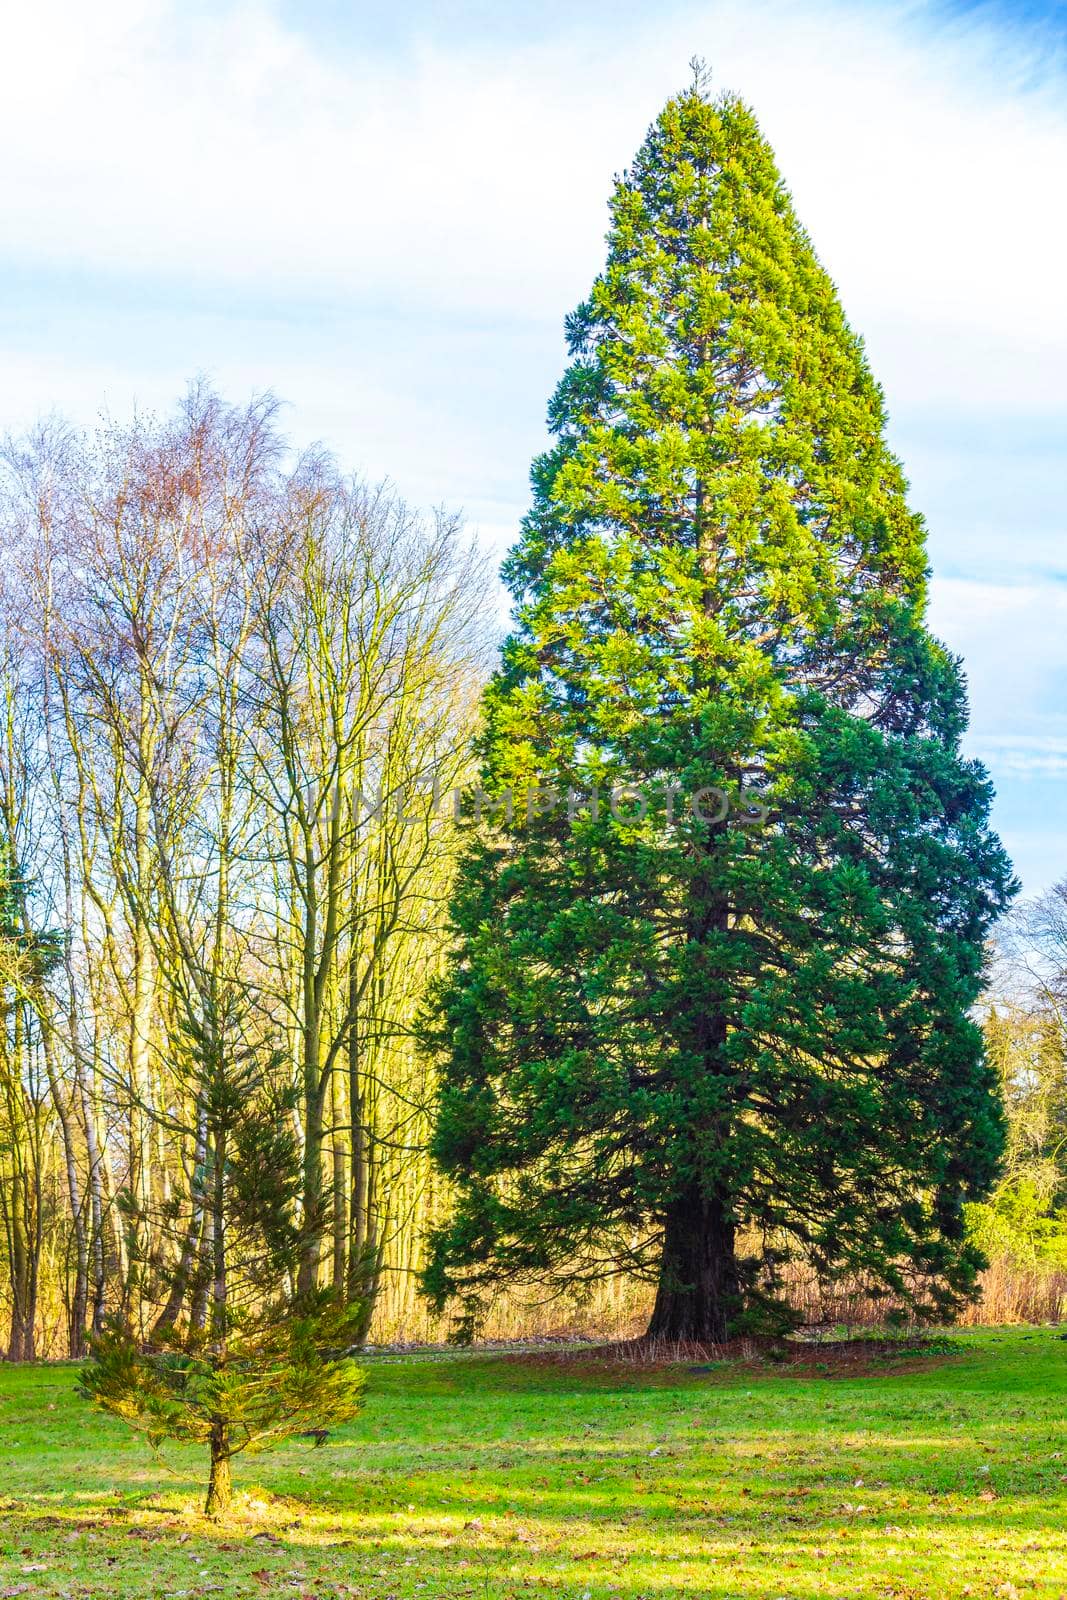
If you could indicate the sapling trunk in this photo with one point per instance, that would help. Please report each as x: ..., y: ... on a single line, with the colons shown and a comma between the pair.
x: 220, y: 1479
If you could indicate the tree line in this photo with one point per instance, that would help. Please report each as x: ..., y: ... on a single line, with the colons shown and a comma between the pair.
x: 221, y: 671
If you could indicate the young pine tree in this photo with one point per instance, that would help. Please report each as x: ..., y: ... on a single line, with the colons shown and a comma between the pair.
x: 234, y: 1361
x: 686, y: 1033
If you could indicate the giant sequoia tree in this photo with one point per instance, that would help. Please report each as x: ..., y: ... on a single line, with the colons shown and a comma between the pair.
x: 679, y: 1034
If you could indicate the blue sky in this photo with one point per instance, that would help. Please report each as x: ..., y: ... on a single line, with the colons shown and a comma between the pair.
x: 383, y: 214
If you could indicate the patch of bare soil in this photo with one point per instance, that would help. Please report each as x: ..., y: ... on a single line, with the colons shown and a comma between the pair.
x: 804, y: 1355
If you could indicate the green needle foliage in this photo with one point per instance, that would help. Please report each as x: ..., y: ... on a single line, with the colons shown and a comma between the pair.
x: 246, y: 1366
x: 276, y: 1374
x: 724, y: 1021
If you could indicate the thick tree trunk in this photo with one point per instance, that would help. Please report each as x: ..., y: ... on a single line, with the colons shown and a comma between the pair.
x: 698, y: 1294
x: 220, y: 1479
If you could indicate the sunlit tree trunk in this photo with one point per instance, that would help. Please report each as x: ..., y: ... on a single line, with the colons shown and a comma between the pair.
x: 220, y: 1479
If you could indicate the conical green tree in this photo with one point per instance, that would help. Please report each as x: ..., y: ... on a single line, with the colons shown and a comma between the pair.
x: 723, y: 1020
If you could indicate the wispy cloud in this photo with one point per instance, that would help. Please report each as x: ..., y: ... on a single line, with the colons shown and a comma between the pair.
x: 1014, y: 757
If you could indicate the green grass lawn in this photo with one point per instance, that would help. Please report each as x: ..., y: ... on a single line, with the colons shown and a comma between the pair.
x: 487, y: 1477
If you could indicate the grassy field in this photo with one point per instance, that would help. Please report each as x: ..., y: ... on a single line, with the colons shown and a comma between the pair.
x: 488, y: 1477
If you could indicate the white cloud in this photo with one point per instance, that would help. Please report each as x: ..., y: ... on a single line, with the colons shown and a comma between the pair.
x: 234, y: 149
x: 1035, y: 757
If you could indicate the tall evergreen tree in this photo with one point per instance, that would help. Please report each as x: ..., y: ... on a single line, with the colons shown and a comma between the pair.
x: 684, y: 1032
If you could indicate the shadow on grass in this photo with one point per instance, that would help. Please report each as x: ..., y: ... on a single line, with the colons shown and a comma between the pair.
x: 488, y: 1476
